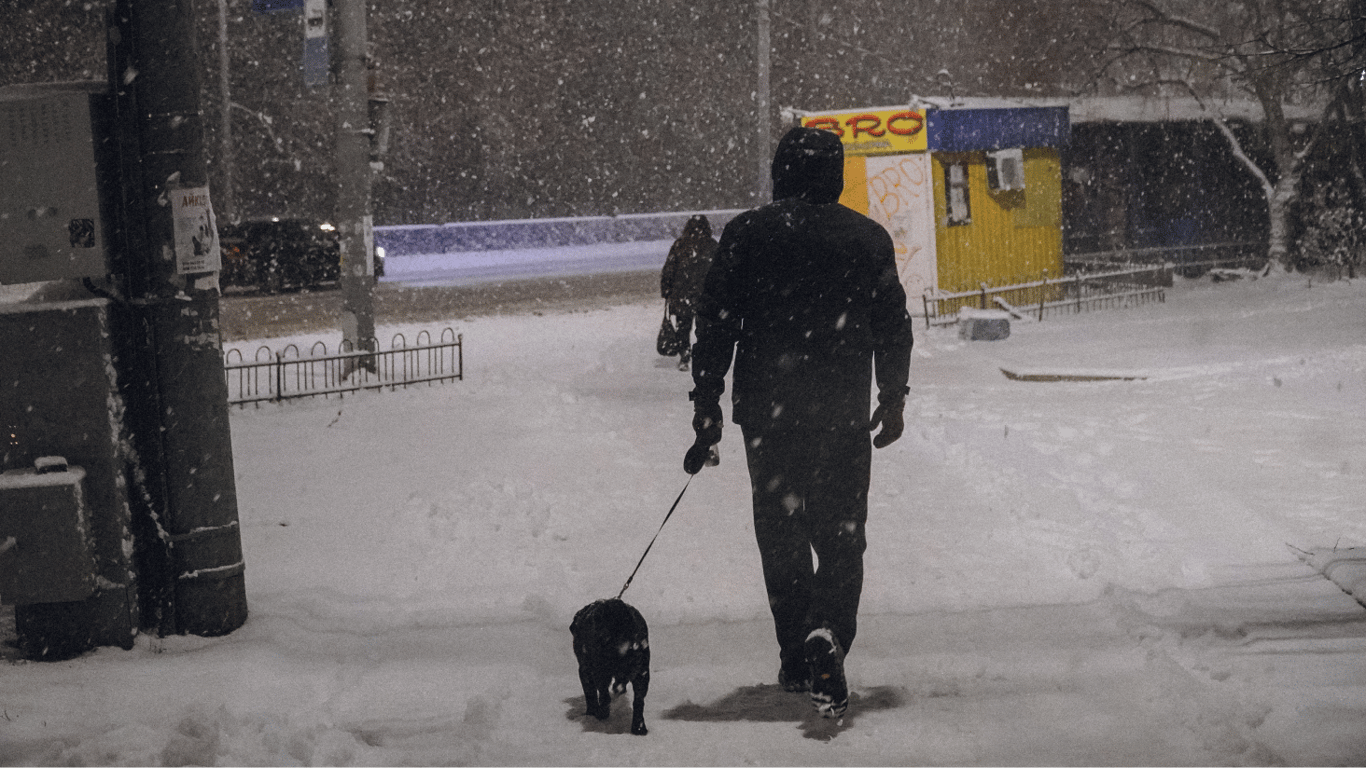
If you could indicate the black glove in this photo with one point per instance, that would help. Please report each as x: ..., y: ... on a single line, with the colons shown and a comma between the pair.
x: 889, y: 415
x: 706, y: 423
x: 700, y: 456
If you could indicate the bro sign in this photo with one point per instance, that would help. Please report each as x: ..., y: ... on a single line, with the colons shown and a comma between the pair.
x: 875, y: 132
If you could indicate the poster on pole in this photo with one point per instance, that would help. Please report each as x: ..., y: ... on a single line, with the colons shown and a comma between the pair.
x: 196, y: 236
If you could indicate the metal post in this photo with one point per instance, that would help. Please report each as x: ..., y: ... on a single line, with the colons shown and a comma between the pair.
x: 227, y: 207
x: 1043, y: 294
x: 763, y: 54
x: 355, y: 224
x: 190, y: 552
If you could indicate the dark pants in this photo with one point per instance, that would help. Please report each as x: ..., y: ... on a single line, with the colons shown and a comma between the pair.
x: 683, y: 311
x: 810, y: 494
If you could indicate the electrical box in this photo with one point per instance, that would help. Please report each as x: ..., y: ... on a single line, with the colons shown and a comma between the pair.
x: 1005, y: 170
x: 51, y: 226
x: 45, y: 543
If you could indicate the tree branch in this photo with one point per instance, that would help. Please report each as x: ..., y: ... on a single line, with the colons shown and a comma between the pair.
x: 1217, y: 58
x: 1164, y: 16
x: 1236, y: 146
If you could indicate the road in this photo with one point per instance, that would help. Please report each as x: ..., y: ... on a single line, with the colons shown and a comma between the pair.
x: 445, y: 286
x: 244, y: 316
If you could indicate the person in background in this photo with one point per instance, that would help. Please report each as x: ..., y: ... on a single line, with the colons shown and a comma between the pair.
x: 803, y: 294
x: 681, y: 281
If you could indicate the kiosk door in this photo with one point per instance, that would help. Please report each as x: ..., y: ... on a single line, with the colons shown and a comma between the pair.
x: 901, y: 198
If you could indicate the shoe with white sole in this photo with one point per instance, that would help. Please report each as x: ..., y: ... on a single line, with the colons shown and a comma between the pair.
x: 829, y: 690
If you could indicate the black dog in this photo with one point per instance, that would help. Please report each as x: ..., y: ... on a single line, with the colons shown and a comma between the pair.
x: 612, y: 644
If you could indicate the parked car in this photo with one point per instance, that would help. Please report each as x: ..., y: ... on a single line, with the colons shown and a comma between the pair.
x: 278, y: 254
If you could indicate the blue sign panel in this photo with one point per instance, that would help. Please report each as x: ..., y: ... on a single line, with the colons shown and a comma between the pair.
x: 315, y: 62
x: 276, y: 6
x: 977, y: 130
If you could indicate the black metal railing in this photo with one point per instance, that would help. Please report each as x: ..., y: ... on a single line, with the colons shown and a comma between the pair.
x: 1185, y: 260
x: 1067, y: 294
x: 276, y: 376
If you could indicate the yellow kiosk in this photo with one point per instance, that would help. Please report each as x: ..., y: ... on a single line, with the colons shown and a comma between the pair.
x: 971, y: 196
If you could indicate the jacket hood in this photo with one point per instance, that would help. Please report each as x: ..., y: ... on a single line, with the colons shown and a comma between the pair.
x: 697, y: 228
x: 809, y: 164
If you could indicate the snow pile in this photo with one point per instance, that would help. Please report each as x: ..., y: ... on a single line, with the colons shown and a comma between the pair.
x: 1063, y: 572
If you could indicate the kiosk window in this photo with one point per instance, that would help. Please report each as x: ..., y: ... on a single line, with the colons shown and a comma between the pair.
x: 956, y: 193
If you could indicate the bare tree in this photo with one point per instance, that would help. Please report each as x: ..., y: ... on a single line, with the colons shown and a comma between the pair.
x: 1338, y: 49
x: 1285, y: 56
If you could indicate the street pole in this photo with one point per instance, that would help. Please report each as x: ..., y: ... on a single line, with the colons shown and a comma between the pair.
x: 763, y: 55
x: 355, y: 225
x: 188, y: 543
x: 227, y: 205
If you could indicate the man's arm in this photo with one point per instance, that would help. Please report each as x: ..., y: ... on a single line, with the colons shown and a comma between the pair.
x: 666, y: 275
x: 892, y: 342
x: 718, y: 330
x: 891, y: 327
x: 718, y: 318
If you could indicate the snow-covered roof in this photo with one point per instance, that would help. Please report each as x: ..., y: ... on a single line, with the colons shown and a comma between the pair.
x: 1097, y: 109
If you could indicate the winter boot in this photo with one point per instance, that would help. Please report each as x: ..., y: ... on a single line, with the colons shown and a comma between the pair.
x: 795, y: 677
x: 829, y: 691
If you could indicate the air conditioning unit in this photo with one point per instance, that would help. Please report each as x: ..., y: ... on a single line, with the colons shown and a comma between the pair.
x: 1005, y: 170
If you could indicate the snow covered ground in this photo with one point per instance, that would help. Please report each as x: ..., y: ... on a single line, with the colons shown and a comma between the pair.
x: 1068, y: 573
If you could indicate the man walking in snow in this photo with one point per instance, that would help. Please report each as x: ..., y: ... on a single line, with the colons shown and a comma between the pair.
x: 803, y: 295
x: 680, y: 282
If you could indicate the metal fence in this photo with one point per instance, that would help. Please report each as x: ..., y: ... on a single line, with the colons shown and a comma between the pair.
x: 1061, y: 295
x: 1185, y: 260
x: 276, y: 376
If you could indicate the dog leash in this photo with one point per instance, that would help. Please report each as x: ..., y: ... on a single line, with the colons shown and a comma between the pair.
x: 652, y: 541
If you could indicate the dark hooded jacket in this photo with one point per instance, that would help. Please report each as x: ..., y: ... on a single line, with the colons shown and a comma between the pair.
x: 689, y: 258
x: 803, y: 295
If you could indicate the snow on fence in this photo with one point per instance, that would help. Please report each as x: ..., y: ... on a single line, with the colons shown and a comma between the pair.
x: 1070, y: 294
x: 276, y: 376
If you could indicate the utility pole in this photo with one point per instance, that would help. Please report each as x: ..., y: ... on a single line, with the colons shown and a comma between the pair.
x: 763, y: 55
x: 187, y: 543
x: 227, y: 207
x: 355, y: 224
